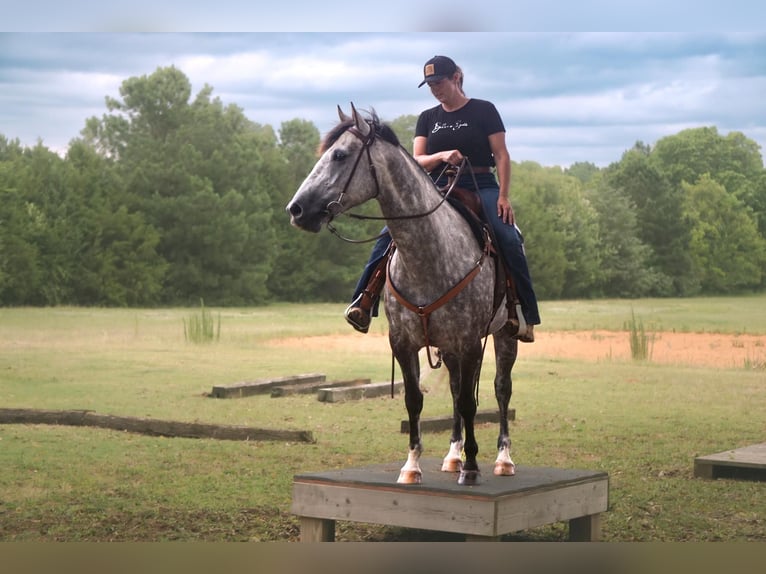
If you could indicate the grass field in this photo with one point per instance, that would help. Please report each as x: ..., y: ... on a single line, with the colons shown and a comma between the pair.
x: 640, y: 421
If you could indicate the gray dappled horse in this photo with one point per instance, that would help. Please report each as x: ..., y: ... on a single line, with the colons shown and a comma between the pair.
x: 436, y: 254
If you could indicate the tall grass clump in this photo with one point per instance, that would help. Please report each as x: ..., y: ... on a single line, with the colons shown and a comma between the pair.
x: 640, y: 342
x: 201, y: 327
x: 754, y: 364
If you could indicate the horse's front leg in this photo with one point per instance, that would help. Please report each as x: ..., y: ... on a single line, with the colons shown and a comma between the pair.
x: 469, y: 369
x: 453, y: 461
x: 506, y: 348
x: 410, y: 473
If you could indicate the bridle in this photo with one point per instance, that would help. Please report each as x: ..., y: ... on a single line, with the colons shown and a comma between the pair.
x: 334, y: 207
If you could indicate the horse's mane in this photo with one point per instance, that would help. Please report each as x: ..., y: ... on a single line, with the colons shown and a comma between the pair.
x: 381, y: 129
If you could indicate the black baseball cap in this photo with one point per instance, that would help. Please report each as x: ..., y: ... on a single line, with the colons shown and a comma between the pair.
x: 438, y: 68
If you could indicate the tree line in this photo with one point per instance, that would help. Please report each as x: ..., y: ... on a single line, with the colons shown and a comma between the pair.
x: 169, y: 198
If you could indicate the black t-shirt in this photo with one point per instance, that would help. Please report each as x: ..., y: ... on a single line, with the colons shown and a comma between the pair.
x: 466, y: 129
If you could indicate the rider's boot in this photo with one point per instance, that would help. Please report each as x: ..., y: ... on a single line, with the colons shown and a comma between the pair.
x: 519, y: 328
x: 359, y: 313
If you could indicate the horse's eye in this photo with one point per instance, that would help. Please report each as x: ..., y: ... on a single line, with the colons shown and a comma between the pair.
x: 339, y: 155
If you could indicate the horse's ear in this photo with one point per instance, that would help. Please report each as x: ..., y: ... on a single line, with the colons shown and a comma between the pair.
x: 363, y: 127
x: 343, y: 117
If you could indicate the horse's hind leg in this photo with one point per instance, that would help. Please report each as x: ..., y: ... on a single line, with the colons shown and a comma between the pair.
x: 453, y: 461
x: 410, y: 473
x: 506, y: 348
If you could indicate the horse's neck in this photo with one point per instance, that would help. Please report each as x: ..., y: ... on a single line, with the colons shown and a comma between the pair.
x: 441, y: 239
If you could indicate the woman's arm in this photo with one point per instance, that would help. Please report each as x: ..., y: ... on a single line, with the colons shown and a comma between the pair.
x: 503, y: 164
x: 429, y: 162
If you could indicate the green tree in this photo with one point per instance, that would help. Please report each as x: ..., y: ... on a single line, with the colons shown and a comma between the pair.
x: 201, y: 173
x: 729, y: 254
x: 733, y: 160
x: 584, y: 171
x: 66, y: 238
x: 625, y: 268
x: 38, y: 238
x: 19, y: 257
x: 404, y: 128
x: 115, y: 262
x: 689, y: 154
x: 292, y: 276
x: 560, y: 230
x: 662, y: 224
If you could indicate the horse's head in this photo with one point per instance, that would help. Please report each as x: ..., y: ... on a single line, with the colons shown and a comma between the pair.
x: 344, y: 176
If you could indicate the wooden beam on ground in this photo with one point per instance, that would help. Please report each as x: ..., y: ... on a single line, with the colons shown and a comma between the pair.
x: 356, y: 392
x: 443, y: 423
x: 152, y: 427
x: 261, y: 386
x: 308, y: 388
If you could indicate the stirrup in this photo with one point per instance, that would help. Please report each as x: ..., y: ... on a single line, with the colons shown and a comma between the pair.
x: 357, y: 317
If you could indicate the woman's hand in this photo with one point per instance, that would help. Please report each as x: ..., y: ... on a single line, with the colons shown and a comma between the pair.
x: 452, y: 157
x: 505, y: 210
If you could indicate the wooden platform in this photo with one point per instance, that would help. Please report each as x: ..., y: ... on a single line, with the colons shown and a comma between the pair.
x: 500, y: 505
x: 748, y: 462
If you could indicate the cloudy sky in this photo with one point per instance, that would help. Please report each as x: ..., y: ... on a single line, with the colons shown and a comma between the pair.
x: 564, y: 96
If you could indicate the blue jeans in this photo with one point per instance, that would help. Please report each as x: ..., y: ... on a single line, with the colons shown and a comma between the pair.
x: 510, y: 243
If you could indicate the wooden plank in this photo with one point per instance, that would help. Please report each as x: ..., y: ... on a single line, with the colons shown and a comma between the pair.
x: 556, y: 503
x: 336, y: 395
x: 410, y: 509
x: 308, y: 388
x: 261, y: 386
x: 748, y: 462
x: 154, y: 427
x: 443, y: 423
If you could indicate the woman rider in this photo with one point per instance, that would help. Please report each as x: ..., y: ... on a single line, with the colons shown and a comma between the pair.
x: 461, y: 127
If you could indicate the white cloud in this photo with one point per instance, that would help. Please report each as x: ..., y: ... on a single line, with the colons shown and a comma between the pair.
x: 562, y: 96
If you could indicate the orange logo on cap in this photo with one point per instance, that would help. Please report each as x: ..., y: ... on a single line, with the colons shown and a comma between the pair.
x: 429, y: 71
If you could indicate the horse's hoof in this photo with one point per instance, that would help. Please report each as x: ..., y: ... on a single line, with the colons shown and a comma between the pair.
x: 452, y: 465
x: 469, y: 478
x: 504, y: 469
x: 410, y: 477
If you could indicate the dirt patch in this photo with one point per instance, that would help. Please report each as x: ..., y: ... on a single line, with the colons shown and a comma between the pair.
x: 694, y: 349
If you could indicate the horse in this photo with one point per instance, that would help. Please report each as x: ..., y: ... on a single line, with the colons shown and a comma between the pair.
x: 440, y: 282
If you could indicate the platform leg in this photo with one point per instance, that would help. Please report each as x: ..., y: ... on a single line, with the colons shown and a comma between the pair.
x: 585, y: 528
x: 317, y: 529
x: 703, y: 470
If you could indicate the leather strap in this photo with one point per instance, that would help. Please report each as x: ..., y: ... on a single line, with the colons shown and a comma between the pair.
x: 424, y: 311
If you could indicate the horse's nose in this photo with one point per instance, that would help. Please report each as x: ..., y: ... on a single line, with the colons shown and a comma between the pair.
x: 294, y: 209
